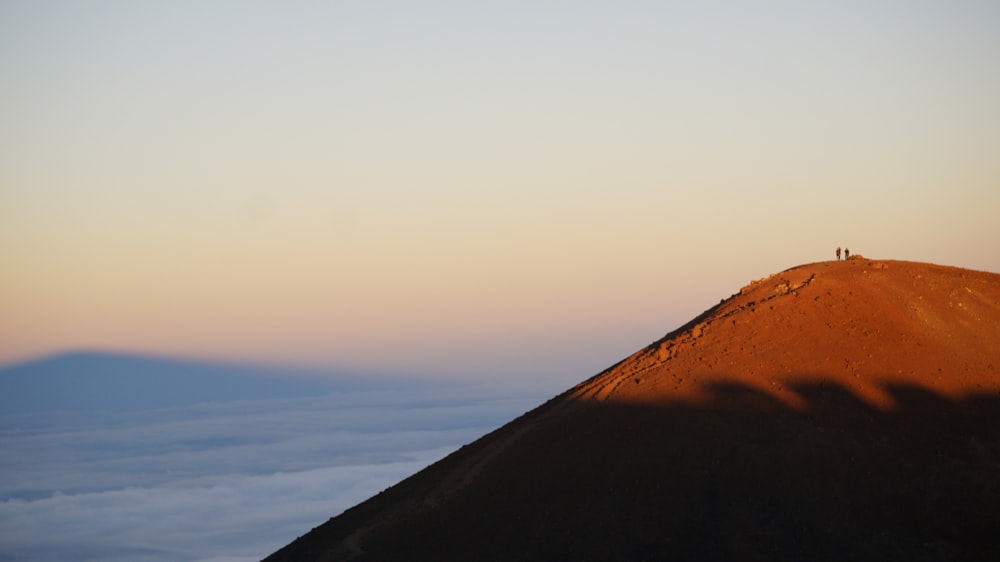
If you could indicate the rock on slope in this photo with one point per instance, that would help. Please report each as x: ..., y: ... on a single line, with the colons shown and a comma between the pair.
x: 837, y: 410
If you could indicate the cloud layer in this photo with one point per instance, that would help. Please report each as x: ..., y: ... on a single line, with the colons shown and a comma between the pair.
x: 221, y: 483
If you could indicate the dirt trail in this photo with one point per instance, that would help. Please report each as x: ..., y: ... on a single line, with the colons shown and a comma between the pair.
x: 657, y: 354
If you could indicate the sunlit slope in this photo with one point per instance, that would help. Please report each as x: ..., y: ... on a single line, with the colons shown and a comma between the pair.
x: 837, y: 410
x: 859, y: 323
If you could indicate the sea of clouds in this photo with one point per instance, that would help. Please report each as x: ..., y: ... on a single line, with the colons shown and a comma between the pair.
x: 225, y: 482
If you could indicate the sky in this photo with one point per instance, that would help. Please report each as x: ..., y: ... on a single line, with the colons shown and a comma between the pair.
x: 469, y: 189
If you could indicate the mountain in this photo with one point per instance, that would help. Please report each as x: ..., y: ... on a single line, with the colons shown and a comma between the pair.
x: 845, y: 410
x: 89, y: 382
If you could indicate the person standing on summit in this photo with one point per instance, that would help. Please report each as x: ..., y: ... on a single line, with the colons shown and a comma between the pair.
x: 838, y: 253
x: 847, y: 254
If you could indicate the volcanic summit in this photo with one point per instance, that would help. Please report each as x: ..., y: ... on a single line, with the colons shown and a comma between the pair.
x: 844, y: 410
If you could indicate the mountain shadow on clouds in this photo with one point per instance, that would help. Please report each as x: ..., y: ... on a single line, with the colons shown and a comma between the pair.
x: 85, y: 382
x: 740, y: 476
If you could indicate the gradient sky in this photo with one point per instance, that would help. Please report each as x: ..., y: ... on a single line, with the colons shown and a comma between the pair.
x: 470, y: 188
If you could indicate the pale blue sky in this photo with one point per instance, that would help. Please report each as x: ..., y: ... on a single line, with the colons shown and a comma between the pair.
x: 470, y: 187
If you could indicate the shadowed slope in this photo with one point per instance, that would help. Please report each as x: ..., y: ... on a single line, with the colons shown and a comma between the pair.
x: 842, y: 410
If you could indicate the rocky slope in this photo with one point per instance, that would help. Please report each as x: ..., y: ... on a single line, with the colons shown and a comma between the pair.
x: 837, y: 410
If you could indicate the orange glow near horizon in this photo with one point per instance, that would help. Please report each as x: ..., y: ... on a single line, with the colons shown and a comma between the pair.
x: 437, y: 195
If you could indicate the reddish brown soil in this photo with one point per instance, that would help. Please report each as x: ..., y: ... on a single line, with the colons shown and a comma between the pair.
x: 835, y: 411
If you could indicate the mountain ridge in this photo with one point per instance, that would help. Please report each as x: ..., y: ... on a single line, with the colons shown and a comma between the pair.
x: 834, y: 410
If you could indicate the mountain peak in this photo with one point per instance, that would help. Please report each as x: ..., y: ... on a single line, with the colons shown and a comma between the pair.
x: 835, y: 410
x: 860, y: 323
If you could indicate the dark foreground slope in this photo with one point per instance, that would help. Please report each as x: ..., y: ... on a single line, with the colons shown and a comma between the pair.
x: 844, y: 410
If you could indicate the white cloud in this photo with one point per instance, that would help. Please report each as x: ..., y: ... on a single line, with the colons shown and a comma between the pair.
x: 251, y: 514
x: 221, y: 483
